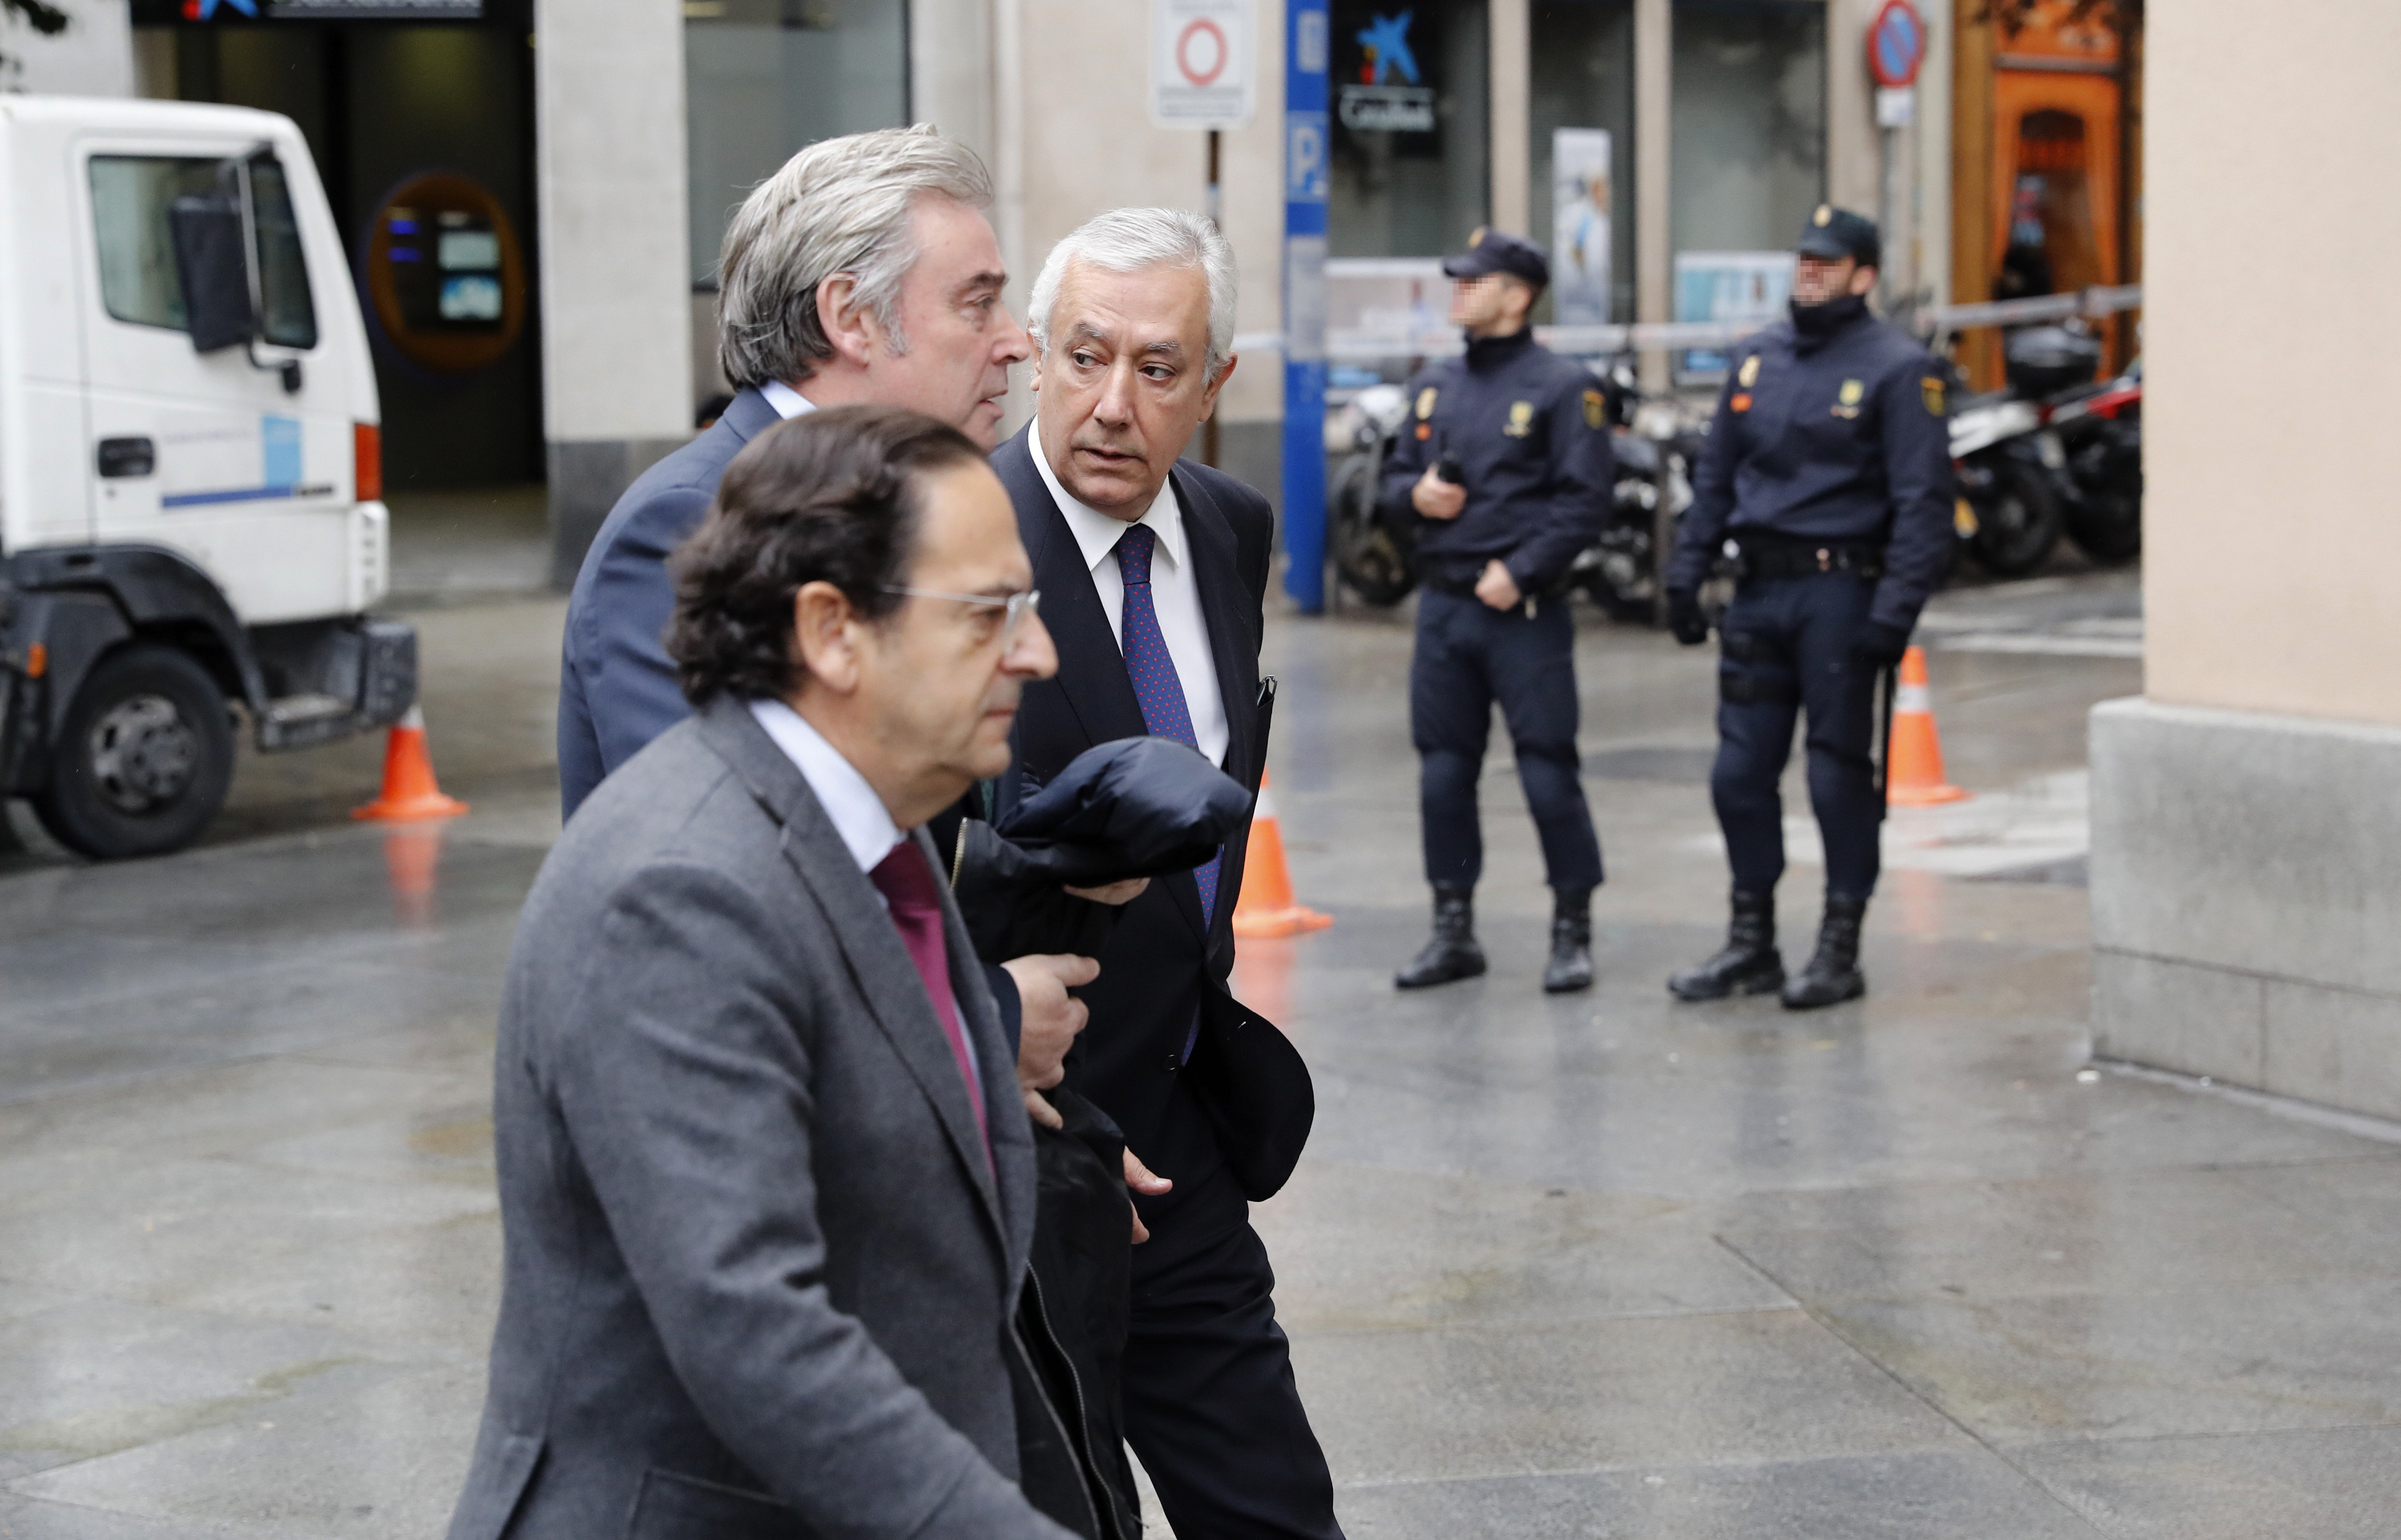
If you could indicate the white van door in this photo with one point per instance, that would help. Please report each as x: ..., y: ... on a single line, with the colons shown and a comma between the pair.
x: 211, y: 455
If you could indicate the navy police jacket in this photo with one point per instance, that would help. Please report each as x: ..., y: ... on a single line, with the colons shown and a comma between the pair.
x: 1529, y: 430
x: 1840, y: 437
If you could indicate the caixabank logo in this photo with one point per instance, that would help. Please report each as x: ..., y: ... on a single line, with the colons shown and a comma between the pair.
x: 1391, y: 94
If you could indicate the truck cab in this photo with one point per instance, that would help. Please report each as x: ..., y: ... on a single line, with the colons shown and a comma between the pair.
x: 192, y: 528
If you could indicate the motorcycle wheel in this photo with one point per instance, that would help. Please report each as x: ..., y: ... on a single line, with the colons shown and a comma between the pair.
x: 1372, y: 562
x: 2108, y: 528
x: 2018, y: 520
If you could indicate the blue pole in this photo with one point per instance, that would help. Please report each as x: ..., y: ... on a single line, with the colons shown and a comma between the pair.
x: 1304, y: 304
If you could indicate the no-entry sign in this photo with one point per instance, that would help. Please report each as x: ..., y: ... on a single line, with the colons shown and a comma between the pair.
x: 1202, y: 73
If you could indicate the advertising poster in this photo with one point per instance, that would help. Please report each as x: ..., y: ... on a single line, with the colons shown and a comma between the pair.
x: 1580, y: 230
x: 1747, y: 288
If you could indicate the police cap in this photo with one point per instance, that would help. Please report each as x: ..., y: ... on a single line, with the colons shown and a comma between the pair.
x: 1497, y: 252
x: 1833, y: 233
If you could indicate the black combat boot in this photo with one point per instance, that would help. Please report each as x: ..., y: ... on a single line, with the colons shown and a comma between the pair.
x: 1833, y: 974
x: 1452, y: 953
x: 1747, y: 964
x: 1571, y: 965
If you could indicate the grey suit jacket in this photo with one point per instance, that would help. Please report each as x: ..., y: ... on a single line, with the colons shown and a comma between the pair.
x: 758, y: 1274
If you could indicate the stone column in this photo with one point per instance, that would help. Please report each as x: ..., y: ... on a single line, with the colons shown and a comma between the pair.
x: 1654, y: 245
x: 616, y: 282
x: 1512, y: 101
x: 2246, y: 838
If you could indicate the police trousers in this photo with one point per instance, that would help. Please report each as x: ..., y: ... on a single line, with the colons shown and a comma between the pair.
x: 1786, y: 649
x: 1469, y: 658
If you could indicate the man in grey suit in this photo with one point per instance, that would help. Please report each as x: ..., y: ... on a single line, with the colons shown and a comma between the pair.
x: 766, y: 1182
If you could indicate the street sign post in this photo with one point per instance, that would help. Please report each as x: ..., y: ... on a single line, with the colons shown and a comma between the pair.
x: 1305, y: 168
x: 1202, y: 64
x: 1896, y: 49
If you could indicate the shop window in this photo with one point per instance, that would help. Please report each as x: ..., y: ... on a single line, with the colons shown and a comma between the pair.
x: 765, y: 77
x: 1411, y: 169
x: 1747, y: 148
x: 1582, y: 202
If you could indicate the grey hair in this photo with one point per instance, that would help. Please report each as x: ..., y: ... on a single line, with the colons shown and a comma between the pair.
x: 840, y: 206
x: 1127, y: 241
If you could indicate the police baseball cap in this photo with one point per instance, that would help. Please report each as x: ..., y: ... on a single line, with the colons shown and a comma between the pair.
x: 1833, y: 233
x: 1497, y: 252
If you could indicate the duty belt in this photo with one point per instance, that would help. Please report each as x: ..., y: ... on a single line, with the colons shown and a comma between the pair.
x: 1800, y: 559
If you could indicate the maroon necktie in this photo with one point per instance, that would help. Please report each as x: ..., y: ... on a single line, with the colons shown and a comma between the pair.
x: 907, y: 884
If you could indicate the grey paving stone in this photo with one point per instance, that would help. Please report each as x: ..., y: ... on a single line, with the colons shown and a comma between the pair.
x: 26, y: 1519
x: 1458, y: 1402
x: 364, y: 1450
x: 2256, y: 1360
x: 1929, y: 1496
x: 1358, y: 1245
x: 2328, y: 1484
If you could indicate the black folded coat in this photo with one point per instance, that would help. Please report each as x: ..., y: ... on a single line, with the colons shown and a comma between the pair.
x: 1133, y: 807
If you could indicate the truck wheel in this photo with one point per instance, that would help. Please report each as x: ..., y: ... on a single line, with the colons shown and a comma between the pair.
x: 143, y: 759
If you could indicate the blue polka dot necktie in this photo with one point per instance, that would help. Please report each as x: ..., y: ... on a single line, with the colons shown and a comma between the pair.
x: 1156, y: 688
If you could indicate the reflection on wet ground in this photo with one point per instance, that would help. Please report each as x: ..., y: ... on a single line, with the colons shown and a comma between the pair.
x: 1601, y: 1266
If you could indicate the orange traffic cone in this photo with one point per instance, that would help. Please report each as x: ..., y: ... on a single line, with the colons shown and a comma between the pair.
x: 1914, y: 763
x: 1266, y: 906
x: 409, y: 788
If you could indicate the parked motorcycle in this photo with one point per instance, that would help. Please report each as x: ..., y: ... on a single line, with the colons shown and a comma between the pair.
x: 2100, y: 433
x: 2054, y: 453
x: 1374, y: 556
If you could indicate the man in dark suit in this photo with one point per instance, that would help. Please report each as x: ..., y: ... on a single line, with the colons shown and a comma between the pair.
x: 864, y: 270
x: 766, y: 1182
x: 1153, y: 575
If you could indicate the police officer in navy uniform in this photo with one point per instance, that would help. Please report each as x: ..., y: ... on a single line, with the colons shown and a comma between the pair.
x: 1504, y: 464
x: 1827, y: 478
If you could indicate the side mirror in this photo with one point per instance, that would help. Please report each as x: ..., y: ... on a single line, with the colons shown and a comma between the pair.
x: 213, y: 260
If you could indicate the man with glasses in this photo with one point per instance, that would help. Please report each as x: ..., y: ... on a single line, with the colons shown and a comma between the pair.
x: 765, y: 1179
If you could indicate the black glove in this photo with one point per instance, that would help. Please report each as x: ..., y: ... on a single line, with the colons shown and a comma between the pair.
x: 1880, y: 646
x: 1685, y: 621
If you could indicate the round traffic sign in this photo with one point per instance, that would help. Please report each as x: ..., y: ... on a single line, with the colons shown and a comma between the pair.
x: 1214, y: 52
x: 1896, y: 44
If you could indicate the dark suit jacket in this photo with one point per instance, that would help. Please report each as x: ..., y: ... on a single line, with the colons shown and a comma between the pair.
x: 616, y: 689
x: 1159, y: 957
x: 759, y: 1273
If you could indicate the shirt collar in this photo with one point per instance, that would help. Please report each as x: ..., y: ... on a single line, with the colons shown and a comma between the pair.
x: 1096, y: 533
x: 787, y: 402
x: 856, y: 813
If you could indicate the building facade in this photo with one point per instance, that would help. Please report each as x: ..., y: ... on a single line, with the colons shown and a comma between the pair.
x: 1668, y: 149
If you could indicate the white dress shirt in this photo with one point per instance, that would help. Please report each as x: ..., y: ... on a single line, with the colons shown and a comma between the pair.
x: 787, y: 402
x: 1175, y: 595
x: 850, y: 804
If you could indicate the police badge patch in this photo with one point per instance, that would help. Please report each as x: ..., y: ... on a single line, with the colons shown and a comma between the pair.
x: 1593, y: 408
x: 1521, y: 419
x: 1426, y: 404
x: 1749, y: 375
x: 1932, y: 387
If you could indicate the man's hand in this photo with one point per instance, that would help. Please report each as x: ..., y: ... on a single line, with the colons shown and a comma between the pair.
x: 1437, y: 498
x: 1050, y: 1018
x: 1114, y: 893
x: 1496, y: 587
x: 1142, y: 1178
x: 1880, y: 646
x: 1685, y: 621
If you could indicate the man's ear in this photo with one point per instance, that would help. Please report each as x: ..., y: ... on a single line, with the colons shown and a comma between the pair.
x: 825, y: 636
x: 1209, y: 398
x: 851, y: 328
x: 1863, y: 279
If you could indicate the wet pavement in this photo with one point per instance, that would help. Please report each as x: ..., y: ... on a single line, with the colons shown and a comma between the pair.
x: 1604, y: 1265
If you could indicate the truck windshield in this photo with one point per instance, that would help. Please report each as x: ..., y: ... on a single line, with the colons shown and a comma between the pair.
x: 130, y: 196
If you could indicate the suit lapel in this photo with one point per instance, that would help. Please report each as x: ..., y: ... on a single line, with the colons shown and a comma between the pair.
x: 879, y: 963
x: 1235, y: 652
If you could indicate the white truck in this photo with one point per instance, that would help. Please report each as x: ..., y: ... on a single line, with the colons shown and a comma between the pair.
x: 191, y: 519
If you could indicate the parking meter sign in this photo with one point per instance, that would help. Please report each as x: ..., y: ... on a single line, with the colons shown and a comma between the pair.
x: 1203, y: 72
